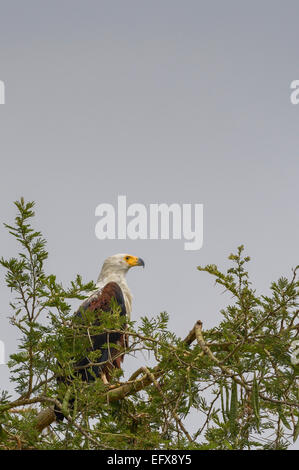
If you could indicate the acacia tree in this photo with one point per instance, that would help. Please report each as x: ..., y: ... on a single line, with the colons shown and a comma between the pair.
x: 238, y: 380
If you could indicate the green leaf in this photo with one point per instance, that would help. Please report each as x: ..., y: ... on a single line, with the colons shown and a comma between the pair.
x: 255, y: 400
x: 283, y: 418
x: 66, y: 401
x: 296, y: 431
x: 233, y: 412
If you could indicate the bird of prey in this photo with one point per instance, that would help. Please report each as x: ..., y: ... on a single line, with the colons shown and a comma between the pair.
x: 111, y: 284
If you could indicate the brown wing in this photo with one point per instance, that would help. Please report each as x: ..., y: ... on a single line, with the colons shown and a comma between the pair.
x: 109, y: 357
x: 97, y: 302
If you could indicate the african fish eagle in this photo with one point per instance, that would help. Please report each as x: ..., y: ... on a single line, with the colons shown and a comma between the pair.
x: 111, y: 283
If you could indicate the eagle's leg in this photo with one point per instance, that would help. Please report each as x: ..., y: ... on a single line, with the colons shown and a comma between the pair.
x: 104, y: 378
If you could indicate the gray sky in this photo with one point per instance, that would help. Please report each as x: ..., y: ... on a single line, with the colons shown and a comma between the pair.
x: 171, y: 101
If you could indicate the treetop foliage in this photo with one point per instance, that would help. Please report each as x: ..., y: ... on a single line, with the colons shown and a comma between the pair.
x: 238, y: 380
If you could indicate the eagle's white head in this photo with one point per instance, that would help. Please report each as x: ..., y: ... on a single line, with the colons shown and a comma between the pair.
x: 121, y: 263
x: 114, y: 269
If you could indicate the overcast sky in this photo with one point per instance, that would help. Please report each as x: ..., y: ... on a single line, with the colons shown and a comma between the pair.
x: 172, y: 101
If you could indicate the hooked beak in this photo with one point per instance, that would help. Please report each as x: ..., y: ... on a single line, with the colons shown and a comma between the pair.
x: 140, y: 262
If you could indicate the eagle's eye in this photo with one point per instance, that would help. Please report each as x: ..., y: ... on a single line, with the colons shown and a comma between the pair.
x: 127, y: 258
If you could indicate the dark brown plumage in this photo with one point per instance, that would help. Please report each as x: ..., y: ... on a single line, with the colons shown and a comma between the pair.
x: 101, y: 301
x: 110, y: 357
